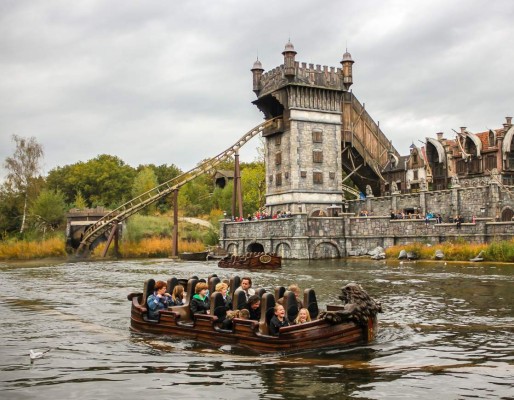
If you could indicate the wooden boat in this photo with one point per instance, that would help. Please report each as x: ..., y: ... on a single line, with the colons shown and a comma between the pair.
x: 251, y: 260
x: 197, y: 256
x: 354, y: 323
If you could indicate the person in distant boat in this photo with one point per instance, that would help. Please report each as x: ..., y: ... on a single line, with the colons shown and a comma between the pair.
x: 296, y: 290
x: 200, y: 302
x: 222, y: 287
x: 303, y: 316
x: 246, y: 286
x: 177, y: 297
x: 254, y: 307
x: 159, y: 300
x: 278, y: 321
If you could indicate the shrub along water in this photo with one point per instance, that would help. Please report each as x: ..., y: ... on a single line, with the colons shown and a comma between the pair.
x: 26, y: 250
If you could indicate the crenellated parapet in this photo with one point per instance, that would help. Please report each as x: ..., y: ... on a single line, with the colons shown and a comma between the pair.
x: 309, y: 75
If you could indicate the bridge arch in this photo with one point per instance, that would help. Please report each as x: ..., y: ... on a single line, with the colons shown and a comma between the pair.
x: 255, y: 247
x: 319, y: 212
x: 283, y: 249
x: 232, y: 248
x: 326, y: 249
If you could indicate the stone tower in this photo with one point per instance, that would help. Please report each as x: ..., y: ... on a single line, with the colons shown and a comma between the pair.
x: 303, y: 151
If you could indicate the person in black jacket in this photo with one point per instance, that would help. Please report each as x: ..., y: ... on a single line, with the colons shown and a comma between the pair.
x: 200, y: 303
x: 254, y: 307
x: 278, y: 321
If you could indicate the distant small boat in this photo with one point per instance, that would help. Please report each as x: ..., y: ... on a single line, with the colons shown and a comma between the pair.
x: 197, y: 256
x: 251, y: 260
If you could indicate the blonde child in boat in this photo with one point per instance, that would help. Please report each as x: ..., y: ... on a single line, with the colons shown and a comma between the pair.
x: 302, y: 317
x: 278, y: 321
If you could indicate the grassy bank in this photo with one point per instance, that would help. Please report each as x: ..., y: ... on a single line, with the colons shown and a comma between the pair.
x: 155, y: 247
x: 496, y: 251
x: 27, y: 250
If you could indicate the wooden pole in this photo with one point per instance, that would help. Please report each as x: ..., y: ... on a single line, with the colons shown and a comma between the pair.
x: 111, y: 236
x: 117, y: 242
x: 234, y: 189
x: 174, y: 239
x: 239, y: 192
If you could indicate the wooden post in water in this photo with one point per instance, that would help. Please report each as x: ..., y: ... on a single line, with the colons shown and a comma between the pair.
x: 174, y: 237
x: 237, y: 194
x: 111, y: 236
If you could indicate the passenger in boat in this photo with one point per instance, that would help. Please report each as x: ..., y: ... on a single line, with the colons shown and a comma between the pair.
x: 200, y: 302
x: 244, y: 314
x: 177, y: 297
x: 296, y: 290
x: 159, y: 300
x: 302, y: 317
x: 279, y: 320
x: 254, y: 307
x: 223, y: 289
x: 228, y: 322
x: 246, y: 286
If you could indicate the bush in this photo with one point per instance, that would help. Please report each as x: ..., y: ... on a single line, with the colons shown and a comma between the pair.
x: 25, y: 250
x: 141, y: 227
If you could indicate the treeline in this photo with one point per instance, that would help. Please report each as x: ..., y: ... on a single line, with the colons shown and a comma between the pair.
x: 32, y: 205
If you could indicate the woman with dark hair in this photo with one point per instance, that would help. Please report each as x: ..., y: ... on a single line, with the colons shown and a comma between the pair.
x: 159, y: 300
x: 254, y: 307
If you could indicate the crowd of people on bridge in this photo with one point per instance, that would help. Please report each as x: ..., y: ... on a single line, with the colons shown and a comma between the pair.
x: 257, y: 216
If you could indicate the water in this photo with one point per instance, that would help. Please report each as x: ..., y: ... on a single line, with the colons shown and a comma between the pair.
x: 446, y: 333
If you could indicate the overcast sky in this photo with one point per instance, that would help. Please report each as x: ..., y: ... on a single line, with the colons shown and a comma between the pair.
x: 169, y: 82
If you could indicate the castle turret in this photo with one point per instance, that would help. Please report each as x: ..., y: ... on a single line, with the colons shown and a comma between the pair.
x: 347, y: 69
x: 289, y: 54
x: 257, y: 71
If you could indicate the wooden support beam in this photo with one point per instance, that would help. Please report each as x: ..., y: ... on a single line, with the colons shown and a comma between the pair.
x: 109, y: 240
x: 174, y: 237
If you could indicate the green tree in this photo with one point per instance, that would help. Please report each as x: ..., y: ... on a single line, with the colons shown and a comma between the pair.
x: 103, y: 181
x: 22, y: 168
x: 48, y: 210
x: 164, y: 173
x: 253, y: 183
x: 145, y: 180
x: 79, y: 201
x: 10, y: 211
x: 195, y: 197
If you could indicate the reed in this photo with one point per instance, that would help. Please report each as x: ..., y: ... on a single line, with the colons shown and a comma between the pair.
x: 26, y: 250
x: 452, y: 251
x: 154, y: 247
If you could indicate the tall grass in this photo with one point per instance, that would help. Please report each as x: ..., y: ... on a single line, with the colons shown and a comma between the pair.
x: 25, y: 250
x: 150, y: 248
x: 452, y: 251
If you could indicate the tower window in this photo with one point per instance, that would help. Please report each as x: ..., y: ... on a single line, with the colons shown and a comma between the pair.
x: 278, y: 181
x: 278, y: 158
x: 317, y: 136
x: 270, y: 178
x: 317, y: 156
x: 278, y: 140
x: 303, y: 174
x: 317, y: 177
x: 332, y: 175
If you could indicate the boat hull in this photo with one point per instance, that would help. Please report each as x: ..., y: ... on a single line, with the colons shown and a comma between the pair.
x: 199, y: 256
x: 312, y: 335
x: 260, y: 261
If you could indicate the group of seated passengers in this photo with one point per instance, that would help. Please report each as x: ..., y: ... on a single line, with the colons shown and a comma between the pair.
x: 279, y: 320
x: 199, y: 304
x: 161, y: 300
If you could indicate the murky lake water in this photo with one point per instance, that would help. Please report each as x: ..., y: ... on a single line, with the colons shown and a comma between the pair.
x: 446, y: 333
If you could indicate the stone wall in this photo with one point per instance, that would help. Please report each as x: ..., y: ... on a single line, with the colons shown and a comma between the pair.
x: 301, y: 237
x: 483, y: 201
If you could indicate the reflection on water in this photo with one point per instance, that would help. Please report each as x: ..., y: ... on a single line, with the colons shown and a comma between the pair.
x: 447, y: 332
